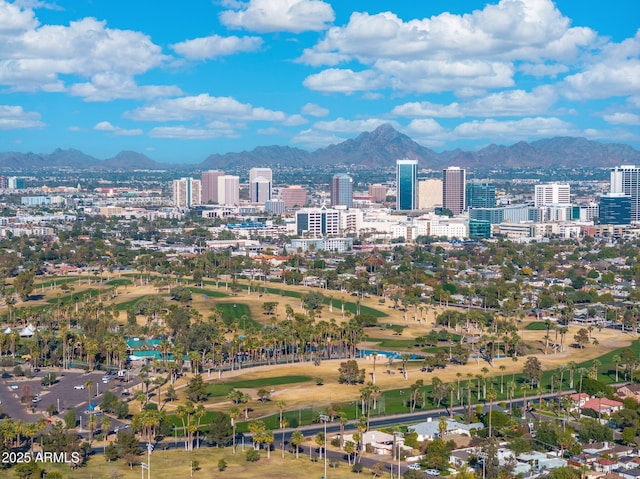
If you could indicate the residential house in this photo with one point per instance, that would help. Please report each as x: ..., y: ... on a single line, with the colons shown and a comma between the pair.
x: 430, y: 430
x: 603, y: 405
x: 629, y: 391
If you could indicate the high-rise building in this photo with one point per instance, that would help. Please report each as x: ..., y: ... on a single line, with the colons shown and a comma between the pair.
x: 317, y: 222
x: 229, y: 190
x: 615, y: 209
x: 552, y: 194
x: 626, y: 179
x: 294, y: 196
x: 480, y: 194
x: 341, y: 188
x: 429, y: 193
x: 260, y: 182
x: 274, y: 207
x: 186, y: 192
x: 260, y: 190
x: 209, y: 181
x: 406, y: 184
x: 453, y: 189
x: 378, y: 193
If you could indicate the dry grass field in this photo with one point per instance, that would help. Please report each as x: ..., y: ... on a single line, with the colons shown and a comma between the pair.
x: 304, y: 394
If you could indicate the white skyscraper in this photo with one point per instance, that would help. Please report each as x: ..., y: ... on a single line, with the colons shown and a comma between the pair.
x: 229, y: 190
x: 260, y: 182
x: 552, y: 194
x: 186, y: 192
x: 625, y: 179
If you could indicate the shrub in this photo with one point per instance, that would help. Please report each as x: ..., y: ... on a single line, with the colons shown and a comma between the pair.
x: 357, y: 468
x: 253, y: 455
x: 222, y: 465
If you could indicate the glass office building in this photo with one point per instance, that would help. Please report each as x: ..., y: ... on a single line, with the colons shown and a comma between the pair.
x: 406, y: 184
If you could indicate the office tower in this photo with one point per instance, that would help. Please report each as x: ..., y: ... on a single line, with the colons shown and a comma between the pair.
x: 317, y: 222
x: 406, y: 184
x: 341, y: 187
x: 453, y: 189
x: 4, y: 182
x: 615, y: 209
x: 209, y: 180
x: 294, y: 196
x: 229, y: 190
x: 274, y: 207
x: 378, y: 193
x: 429, y: 194
x: 186, y: 192
x: 550, y: 194
x: 480, y: 195
x: 260, y: 190
x: 16, y: 183
x: 626, y: 179
x: 260, y: 183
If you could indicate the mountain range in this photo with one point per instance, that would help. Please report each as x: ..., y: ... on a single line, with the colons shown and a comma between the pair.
x: 379, y: 148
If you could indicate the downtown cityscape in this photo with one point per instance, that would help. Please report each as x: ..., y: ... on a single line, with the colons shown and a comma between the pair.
x: 319, y: 239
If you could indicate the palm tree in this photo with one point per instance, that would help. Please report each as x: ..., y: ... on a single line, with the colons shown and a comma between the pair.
x: 491, y: 395
x: 502, y: 368
x: 617, y: 360
x: 297, y: 438
x: 234, y: 414
x: 281, y: 405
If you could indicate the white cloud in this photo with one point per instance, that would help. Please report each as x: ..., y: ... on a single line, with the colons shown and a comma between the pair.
x: 204, y: 106
x: 314, y: 110
x: 15, y: 118
x: 32, y: 4
x: 294, y: 16
x: 505, y: 103
x: 622, y: 119
x: 344, y: 81
x: 523, y: 129
x: 315, y: 139
x: 116, y: 130
x: 449, y: 52
x: 425, y: 126
x: 185, y: 133
x: 34, y: 57
x: 206, y: 48
x: 540, y: 70
x: 604, y: 80
x: 341, y: 125
x: 110, y: 85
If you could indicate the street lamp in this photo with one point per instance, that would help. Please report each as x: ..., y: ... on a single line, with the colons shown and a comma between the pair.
x: 324, y: 418
x: 398, y: 435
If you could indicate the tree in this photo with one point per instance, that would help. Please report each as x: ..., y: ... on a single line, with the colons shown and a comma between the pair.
x: 350, y: 373
x: 532, y: 371
x: 565, y: 472
x: 196, y: 390
x: 70, y: 419
x: 220, y: 430
x: 297, y: 438
x: 23, y: 284
x: 582, y: 337
x: 171, y: 395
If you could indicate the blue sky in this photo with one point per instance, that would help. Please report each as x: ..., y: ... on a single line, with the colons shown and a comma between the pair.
x: 179, y: 81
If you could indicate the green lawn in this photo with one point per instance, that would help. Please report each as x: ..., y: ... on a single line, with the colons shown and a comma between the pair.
x: 208, y: 292
x: 222, y: 389
x: 120, y: 282
x: 536, y: 326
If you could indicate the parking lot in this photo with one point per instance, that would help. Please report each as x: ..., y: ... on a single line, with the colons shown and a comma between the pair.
x: 68, y: 392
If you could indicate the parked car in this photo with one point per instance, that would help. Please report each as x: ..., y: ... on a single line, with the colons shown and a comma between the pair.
x: 432, y: 472
x: 414, y: 467
x: 36, y: 399
x: 14, y: 386
x: 78, y: 386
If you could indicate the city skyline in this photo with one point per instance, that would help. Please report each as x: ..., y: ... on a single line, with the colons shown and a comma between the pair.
x: 230, y: 76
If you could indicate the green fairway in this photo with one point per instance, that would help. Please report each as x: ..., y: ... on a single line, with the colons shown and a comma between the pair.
x: 208, y: 292
x: 536, y: 326
x: 222, y: 389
